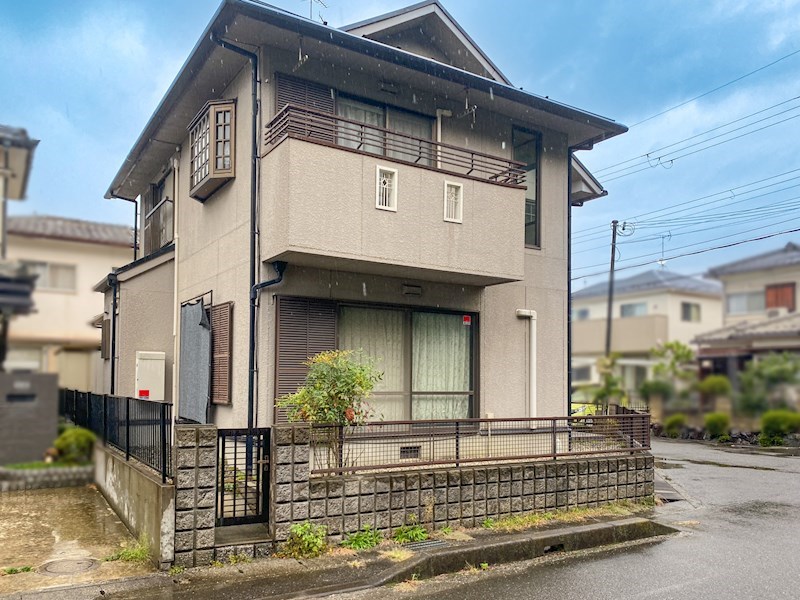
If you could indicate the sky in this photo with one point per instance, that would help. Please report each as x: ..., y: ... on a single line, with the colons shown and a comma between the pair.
x: 723, y: 167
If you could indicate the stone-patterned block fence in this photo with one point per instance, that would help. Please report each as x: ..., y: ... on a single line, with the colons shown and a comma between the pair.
x: 35, y: 479
x: 437, y: 497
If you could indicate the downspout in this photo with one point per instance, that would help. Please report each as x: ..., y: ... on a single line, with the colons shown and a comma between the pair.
x: 570, y: 153
x: 253, y: 223
x: 524, y: 313
x: 114, y: 283
x: 175, y: 303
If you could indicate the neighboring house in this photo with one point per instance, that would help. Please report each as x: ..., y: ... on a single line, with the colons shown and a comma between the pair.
x: 760, y: 304
x: 68, y: 256
x: 648, y: 308
x: 761, y: 286
x: 406, y: 200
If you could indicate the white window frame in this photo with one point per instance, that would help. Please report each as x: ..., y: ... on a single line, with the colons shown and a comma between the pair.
x: 393, y: 196
x: 460, y: 218
x: 43, y: 282
x: 636, y: 306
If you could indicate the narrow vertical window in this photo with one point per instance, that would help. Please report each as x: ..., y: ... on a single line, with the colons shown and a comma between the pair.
x: 453, y: 202
x: 527, y: 146
x: 386, y: 189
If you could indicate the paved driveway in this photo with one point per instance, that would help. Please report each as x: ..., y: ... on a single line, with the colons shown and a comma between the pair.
x: 64, y: 535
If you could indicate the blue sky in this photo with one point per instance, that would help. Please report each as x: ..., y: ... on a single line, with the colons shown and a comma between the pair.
x: 85, y: 76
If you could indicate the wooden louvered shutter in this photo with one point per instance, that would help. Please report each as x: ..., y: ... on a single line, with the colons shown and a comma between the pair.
x: 299, y: 92
x: 305, y: 327
x: 221, y: 319
x: 780, y: 296
x: 105, y: 339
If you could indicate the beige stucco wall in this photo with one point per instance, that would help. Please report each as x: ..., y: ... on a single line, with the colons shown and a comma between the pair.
x: 757, y: 281
x: 61, y: 318
x: 144, y: 323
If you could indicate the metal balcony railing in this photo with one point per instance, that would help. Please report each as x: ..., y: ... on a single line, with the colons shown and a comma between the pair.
x: 328, y: 129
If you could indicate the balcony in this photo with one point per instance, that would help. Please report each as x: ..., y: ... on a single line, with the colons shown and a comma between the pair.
x: 632, y: 335
x: 319, y: 189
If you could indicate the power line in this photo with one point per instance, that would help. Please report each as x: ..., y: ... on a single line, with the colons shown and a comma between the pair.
x: 724, y: 125
x: 672, y: 160
x: 585, y: 232
x: 716, y: 89
x: 696, y: 252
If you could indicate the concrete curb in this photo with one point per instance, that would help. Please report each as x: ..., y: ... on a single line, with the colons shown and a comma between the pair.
x: 513, y: 548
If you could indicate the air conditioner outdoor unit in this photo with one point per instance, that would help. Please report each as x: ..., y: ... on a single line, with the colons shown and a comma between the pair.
x: 150, y: 375
x: 777, y: 312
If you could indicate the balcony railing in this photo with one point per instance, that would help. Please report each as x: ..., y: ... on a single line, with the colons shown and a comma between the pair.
x: 332, y: 130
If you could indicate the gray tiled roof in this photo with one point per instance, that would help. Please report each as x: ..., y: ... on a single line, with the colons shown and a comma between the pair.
x: 783, y: 326
x: 783, y: 257
x: 71, y: 229
x: 651, y: 281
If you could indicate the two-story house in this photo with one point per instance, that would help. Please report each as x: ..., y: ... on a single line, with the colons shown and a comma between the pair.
x: 380, y: 187
x: 648, y: 308
x: 760, y: 304
x: 68, y: 256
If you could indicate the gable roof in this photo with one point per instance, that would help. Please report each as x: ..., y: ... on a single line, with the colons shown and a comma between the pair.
x: 209, y: 68
x: 775, y: 327
x: 76, y: 230
x: 652, y: 281
x: 585, y: 186
x: 387, y: 27
x: 782, y: 257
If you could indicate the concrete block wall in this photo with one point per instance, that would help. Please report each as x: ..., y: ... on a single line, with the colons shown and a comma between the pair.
x: 195, y: 494
x: 437, y: 498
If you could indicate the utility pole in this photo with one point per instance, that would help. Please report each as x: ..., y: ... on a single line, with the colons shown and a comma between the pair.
x: 609, y: 309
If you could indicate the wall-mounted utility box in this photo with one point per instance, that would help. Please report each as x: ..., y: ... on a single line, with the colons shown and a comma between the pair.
x: 150, y: 375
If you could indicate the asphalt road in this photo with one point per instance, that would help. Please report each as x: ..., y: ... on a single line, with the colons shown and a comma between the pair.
x: 740, y: 538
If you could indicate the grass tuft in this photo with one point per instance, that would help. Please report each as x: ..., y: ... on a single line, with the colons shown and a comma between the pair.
x: 622, y: 508
x: 136, y: 552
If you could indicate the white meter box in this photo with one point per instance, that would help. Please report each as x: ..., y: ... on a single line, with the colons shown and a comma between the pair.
x: 150, y: 375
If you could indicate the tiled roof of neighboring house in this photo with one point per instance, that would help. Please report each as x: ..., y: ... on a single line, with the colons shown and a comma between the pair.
x: 77, y: 230
x: 17, y: 136
x: 652, y: 281
x: 783, y: 326
x: 782, y: 257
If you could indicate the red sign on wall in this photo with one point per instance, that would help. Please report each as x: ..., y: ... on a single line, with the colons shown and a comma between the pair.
x: 467, y: 320
x: 144, y: 394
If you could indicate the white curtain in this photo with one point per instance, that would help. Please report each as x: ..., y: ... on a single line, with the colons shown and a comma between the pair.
x: 379, y: 333
x: 357, y: 136
x: 440, y: 362
x: 415, y: 125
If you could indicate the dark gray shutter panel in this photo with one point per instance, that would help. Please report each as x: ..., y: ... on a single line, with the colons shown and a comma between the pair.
x: 221, y: 318
x: 291, y: 90
x: 305, y: 327
x: 105, y: 339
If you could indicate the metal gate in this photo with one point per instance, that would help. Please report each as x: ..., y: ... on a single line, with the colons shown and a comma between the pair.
x: 242, y: 476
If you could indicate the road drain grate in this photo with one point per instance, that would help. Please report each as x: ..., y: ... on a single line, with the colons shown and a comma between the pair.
x: 425, y: 545
x: 57, y: 568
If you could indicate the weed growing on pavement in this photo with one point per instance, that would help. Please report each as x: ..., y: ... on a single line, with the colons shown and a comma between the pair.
x: 217, y: 564
x: 306, y: 540
x: 410, y: 533
x: 365, y: 539
x: 567, y: 516
x: 236, y: 559
x: 136, y: 552
x: 397, y: 554
x: 16, y: 570
x: 176, y: 570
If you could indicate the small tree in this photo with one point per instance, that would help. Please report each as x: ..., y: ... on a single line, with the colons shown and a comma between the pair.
x: 610, y: 384
x: 336, y: 392
x: 676, y: 365
x: 768, y: 382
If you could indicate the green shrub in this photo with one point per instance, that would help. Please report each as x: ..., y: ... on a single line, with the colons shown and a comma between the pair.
x: 410, y: 533
x: 306, y: 540
x: 363, y: 540
x: 674, y: 423
x: 656, y: 387
x: 775, y: 424
x: 715, y: 385
x: 717, y: 424
x: 75, y: 445
x: 724, y: 438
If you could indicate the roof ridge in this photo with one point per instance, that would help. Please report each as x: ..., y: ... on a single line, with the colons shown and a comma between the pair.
x: 71, y: 219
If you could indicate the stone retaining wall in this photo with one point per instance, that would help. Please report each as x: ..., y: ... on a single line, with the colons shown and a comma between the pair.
x: 12, y: 480
x: 462, y: 496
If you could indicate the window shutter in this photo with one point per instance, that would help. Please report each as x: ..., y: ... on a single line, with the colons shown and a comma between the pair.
x: 105, y: 339
x: 221, y: 317
x: 303, y: 93
x: 780, y: 296
x: 305, y: 327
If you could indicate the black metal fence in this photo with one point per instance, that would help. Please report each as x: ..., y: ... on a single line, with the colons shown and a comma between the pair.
x: 242, y: 476
x: 337, y: 449
x: 141, y: 429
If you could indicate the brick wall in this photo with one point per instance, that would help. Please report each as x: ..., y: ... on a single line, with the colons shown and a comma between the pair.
x: 441, y: 497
